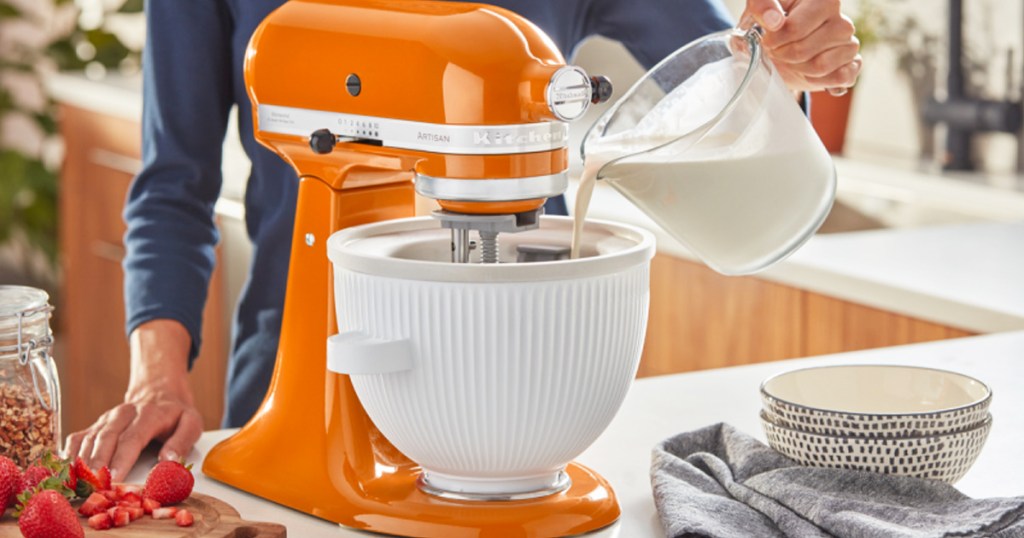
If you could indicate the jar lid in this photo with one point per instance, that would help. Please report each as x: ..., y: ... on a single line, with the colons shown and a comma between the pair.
x: 419, y: 249
x: 33, y: 303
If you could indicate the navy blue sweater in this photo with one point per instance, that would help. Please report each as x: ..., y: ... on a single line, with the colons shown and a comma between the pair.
x: 193, y: 76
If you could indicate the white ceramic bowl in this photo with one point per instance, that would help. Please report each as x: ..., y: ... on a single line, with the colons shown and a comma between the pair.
x: 491, y: 377
x: 939, y: 457
x: 875, y: 400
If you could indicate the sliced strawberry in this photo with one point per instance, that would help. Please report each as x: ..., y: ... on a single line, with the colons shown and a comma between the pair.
x: 123, y: 489
x: 72, y: 482
x: 110, y: 494
x: 184, y: 518
x: 112, y: 511
x: 135, y: 512
x: 121, y: 517
x: 83, y: 472
x: 166, y: 512
x: 95, y: 504
x: 100, y: 521
x: 130, y: 499
x: 103, y: 475
x: 149, y: 505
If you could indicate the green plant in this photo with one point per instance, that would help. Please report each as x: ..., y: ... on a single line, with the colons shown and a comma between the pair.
x: 35, y: 46
x: 869, y: 21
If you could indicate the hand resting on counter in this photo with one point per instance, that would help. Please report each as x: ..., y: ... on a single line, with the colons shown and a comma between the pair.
x: 158, y: 405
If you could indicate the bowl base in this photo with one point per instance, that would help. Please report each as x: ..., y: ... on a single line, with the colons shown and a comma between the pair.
x: 477, y: 489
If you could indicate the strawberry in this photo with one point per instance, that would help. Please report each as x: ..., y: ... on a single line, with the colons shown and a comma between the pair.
x: 95, y: 504
x: 166, y: 512
x: 134, y: 512
x: 110, y: 494
x: 184, y: 518
x: 169, y: 482
x: 47, y: 514
x: 100, y: 521
x: 103, y: 475
x: 10, y: 483
x: 121, y: 517
x: 149, y: 505
x: 123, y: 489
x: 33, y: 476
x: 86, y: 475
x: 130, y: 499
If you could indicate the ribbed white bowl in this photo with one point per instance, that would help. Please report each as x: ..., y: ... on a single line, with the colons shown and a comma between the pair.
x: 499, y: 378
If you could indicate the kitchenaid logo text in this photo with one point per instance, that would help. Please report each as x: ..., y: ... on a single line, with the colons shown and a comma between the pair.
x: 565, y: 96
x: 498, y: 138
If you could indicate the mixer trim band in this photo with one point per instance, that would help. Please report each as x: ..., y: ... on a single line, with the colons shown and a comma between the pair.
x: 492, y: 190
x: 415, y: 135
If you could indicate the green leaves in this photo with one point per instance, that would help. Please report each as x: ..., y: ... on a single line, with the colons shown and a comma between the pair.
x: 28, y: 200
x: 28, y: 191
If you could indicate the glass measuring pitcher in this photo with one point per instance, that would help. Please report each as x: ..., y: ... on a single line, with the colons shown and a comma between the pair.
x: 713, y: 147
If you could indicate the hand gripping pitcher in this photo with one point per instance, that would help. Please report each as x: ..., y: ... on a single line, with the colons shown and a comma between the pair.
x: 713, y: 147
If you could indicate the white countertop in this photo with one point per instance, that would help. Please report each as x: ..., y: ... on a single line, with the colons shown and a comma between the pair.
x: 660, y: 407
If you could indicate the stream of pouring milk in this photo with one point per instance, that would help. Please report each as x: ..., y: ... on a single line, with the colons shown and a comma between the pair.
x: 738, y: 212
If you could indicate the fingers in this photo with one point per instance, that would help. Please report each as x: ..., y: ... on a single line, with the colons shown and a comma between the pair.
x: 843, y: 77
x: 803, y: 20
x: 73, y: 443
x: 767, y: 13
x: 180, y: 443
x: 827, y: 62
x: 152, y: 421
x: 105, y: 438
x: 837, y: 32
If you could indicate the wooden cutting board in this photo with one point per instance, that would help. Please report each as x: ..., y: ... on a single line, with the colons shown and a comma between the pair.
x: 214, y: 518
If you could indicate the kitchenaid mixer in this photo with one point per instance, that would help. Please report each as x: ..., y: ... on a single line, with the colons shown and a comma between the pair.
x: 361, y: 97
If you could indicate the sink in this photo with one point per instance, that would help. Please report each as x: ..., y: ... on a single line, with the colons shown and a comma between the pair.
x: 853, y: 212
x: 872, y: 197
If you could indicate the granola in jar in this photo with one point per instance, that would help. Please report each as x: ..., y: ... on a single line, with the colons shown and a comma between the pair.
x: 29, y: 388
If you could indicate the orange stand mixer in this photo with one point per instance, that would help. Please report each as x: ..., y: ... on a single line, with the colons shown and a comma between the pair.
x: 362, y: 98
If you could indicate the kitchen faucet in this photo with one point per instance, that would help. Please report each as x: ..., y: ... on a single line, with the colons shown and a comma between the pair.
x: 964, y: 115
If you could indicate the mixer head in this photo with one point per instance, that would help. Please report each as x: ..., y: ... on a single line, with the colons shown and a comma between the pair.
x: 475, y: 109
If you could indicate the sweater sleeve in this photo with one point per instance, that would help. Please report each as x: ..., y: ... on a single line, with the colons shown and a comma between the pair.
x: 653, y: 29
x: 171, y: 233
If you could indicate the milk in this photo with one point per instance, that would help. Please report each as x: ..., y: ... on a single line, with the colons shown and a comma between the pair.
x: 742, y: 195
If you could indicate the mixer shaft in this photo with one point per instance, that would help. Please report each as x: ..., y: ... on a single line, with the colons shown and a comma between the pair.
x: 488, y: 226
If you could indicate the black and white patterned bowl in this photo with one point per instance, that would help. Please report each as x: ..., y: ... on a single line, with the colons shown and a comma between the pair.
x: 875, y: 400
x: 937, y: 457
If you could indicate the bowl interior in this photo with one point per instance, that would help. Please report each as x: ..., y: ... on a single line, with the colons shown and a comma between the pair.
x: 876, y: 389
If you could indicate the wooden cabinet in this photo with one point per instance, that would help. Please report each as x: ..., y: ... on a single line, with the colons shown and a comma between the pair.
x: 700, y: 319
x: 102, y: 156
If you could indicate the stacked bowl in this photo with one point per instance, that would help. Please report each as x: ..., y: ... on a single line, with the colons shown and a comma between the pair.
x: 900, y: 420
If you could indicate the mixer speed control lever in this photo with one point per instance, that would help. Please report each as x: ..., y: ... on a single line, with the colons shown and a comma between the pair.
x: 322, y: 141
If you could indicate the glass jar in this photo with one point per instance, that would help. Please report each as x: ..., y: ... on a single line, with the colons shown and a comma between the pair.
x: 29, y: 388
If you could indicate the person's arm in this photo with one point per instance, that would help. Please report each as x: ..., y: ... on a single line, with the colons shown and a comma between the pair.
x: 171, y: 233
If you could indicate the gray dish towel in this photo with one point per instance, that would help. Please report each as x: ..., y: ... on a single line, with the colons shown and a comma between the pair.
x: 718, y: 482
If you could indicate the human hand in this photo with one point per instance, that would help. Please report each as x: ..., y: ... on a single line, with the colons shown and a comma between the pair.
x: 158, y: 405
x: 811, y: 42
